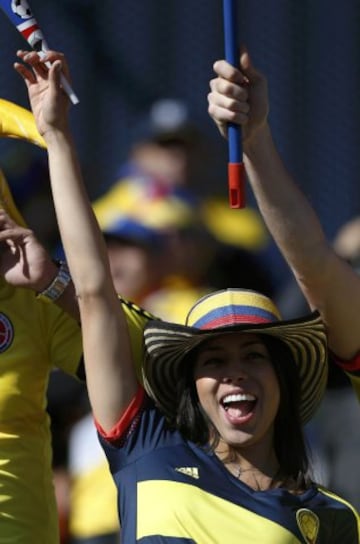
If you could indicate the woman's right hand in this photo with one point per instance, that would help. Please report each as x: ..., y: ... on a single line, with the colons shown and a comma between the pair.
x: 48, y: 101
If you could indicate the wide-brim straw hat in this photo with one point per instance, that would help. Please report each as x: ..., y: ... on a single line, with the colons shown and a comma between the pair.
x: 167, y: 345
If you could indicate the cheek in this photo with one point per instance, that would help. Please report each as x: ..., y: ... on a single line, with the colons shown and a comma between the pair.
x: 204, y: 388
x: 199, y: 386
x: 273, y: 389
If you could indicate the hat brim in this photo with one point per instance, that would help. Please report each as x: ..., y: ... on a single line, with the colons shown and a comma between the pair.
x: 167, y: 346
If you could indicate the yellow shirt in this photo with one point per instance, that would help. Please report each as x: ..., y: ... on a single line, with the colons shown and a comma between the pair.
x: 35, y: 337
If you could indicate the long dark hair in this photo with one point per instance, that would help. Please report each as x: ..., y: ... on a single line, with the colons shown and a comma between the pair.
x: 289, y: 440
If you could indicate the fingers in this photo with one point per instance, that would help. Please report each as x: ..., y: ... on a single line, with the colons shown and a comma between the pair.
x: 248, y: 69
x: 13, y: 237
x: 222, y: 115
x: 226, y: 71
x: 5, y: 219
x: 52, y: 57
x: 32, y: 67
x: 10, y: 229
x: 39, y: 65
x: 32, y: 59
x: 226, y: 88
x: 228, y: 101
x: 27, y: 75
x: 54, y: 75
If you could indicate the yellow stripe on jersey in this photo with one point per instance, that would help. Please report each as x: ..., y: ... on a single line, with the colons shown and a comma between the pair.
x: 185, y: 511
x: 136, y: 319
x: 334, y: 496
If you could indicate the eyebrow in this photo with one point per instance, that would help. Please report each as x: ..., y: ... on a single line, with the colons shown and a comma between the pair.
x: 243, y: 345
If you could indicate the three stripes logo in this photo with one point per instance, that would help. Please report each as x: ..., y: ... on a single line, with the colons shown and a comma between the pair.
x: 193, y: 472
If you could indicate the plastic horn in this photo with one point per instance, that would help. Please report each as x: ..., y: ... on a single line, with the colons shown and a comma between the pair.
x: 20, y: 14
x: 236, y: 172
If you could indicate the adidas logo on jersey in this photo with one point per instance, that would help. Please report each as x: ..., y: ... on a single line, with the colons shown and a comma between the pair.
x: 193, y: 472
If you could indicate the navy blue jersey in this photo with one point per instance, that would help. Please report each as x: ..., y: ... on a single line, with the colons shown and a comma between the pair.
x: 172, y: 491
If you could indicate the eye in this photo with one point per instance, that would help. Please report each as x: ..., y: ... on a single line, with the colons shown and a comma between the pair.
x: 255, y: 355
x: 210, y: 362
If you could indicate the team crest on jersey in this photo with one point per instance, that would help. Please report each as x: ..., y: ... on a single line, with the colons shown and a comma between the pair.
x: 6, y: 332
x: 309, y: 524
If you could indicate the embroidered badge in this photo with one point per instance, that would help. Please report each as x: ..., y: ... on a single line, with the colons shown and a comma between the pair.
x: 309, y: 524
x: 193, y: 472
x: 6, y: 332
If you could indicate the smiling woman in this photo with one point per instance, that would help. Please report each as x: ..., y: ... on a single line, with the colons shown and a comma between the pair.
x: 237, y: 387
x: 202, y: 448
x: 231, y: 377
x: 261, y: 386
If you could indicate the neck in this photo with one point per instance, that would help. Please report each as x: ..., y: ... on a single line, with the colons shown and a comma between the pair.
x: 258, y: 469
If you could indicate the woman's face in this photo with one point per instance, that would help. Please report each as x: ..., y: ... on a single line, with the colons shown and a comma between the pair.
x: 238, y: 388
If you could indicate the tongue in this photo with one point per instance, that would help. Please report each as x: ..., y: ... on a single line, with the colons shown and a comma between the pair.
x: 240, y: 409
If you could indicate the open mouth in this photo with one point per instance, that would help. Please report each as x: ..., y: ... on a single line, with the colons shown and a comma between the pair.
x: 239, y: 405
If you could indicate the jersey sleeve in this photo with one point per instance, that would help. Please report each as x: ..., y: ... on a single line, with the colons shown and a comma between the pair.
x: 141, y: 429
x: 352, y: 370
x: 65, y: 341
x: 136, y: 318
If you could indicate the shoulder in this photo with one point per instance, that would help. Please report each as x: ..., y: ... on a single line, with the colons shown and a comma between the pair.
x: 332, y: 497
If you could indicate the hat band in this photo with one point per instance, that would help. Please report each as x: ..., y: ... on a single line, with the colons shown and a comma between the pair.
x: 234, y: 315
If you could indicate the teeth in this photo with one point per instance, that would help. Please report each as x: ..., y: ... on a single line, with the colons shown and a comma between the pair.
x: 238, y: 398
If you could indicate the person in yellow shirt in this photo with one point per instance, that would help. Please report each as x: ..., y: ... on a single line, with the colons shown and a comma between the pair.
x: 35, y: 337
x: 39, y: 332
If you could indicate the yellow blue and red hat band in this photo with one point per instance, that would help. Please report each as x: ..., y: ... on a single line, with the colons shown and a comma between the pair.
x: 234, y: 315
x: 232, y: 307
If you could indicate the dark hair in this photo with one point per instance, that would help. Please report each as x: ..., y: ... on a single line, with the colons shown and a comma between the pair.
x: 289, y: 440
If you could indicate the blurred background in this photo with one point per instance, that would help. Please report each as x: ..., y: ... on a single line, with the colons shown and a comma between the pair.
x: 124, y: 55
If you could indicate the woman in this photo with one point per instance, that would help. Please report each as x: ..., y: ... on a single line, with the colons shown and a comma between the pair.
x: 211, y: 448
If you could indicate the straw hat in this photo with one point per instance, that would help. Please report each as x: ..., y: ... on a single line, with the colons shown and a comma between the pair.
x: 167, y: 345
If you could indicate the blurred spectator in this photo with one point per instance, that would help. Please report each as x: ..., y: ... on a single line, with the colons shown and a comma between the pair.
x: 166, y: 157
x: 93, y: 516
x: 241, y: 255
x: 138, y: 257
x: 347, y: 242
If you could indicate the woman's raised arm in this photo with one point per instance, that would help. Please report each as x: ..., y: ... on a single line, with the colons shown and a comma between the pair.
x: 110, y: 374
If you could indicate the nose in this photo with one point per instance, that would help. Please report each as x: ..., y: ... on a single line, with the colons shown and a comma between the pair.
x: 234, y: 372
